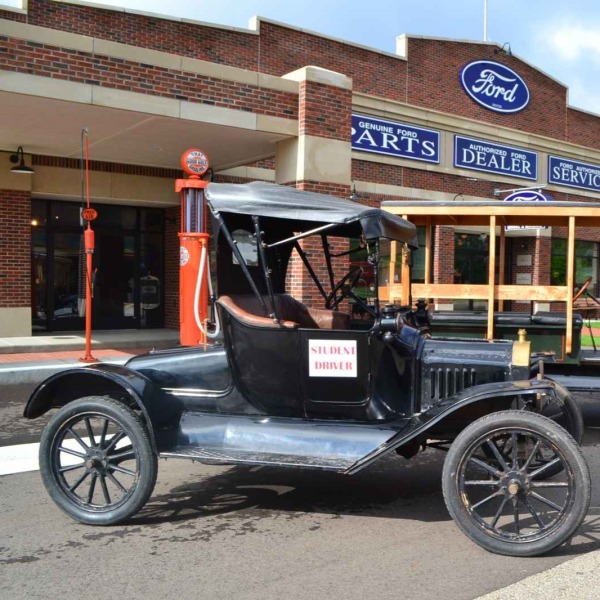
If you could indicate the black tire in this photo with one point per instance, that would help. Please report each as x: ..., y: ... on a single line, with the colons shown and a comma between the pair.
x: 564, y: 411
x: 506, y: 506
x: 111, y: 475
x: 567, y: 414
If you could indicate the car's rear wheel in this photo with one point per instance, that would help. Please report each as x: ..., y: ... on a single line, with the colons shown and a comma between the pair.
x: 97, y: 461
x: 505, y: 504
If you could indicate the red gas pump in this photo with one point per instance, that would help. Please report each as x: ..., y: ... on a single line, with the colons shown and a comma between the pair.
x: 194, y: 276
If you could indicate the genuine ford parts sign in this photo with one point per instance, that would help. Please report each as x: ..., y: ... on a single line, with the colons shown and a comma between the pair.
x: 495, y: 86
x: 370, y: 134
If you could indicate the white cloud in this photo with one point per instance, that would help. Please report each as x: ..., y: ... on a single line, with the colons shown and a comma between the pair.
x: 585, y: 95
x: 573, y: 42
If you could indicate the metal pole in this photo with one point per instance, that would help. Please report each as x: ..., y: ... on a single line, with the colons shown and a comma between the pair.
x: 89, y: 244
x: 485, y: 4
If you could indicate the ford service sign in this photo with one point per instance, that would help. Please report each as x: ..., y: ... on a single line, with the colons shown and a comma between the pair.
x: 495, y: 86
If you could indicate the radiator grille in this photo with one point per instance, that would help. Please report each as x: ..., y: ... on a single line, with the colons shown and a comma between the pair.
x: 445, y: 382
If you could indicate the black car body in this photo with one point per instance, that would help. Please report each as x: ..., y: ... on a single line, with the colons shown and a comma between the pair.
x: 299, y: 386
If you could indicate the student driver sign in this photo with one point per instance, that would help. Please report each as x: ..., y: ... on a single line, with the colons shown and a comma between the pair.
x: 332, y: 358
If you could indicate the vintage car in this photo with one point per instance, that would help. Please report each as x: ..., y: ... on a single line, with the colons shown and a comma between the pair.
x: 300, y: 386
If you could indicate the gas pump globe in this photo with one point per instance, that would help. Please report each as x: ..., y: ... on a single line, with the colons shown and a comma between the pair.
x: 194, y: 277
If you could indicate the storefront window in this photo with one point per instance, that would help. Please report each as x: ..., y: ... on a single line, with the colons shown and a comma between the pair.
x: 471, y: 258
x: 586, y: 263
x: 128, y: 265
x: 471, y: 265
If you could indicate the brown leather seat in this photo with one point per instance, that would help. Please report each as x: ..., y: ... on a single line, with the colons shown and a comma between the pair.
x: 292, y: 313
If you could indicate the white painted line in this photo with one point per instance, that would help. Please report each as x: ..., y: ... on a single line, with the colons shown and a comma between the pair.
x: 19, y: 459
x: 24, y: 457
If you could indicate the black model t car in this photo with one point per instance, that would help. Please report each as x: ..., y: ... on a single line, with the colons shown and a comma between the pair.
x: 303, y: 386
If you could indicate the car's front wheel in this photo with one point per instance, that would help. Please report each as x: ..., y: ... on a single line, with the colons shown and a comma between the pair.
x: 496, y: 488
x: 97, y: 461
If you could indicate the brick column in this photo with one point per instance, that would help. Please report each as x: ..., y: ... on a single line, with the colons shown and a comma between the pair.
x: 443, y: 262
x: 318, y: 160
x: 15, y: 263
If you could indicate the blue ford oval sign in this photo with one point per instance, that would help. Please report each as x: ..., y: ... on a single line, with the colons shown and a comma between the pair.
x: 526, y: 196
x: 494, y: 86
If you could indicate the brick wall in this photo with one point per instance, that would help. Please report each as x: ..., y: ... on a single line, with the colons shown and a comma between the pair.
x: 277, y: 50
x: 324, y: 111
x: 218, y: 45
x: 433, y: 71
x: 583, y: 128
x: 443, y: 255
x: 363, y: 170
x: 62, y: 63
x: 429, y: 79
x: 15, y: 248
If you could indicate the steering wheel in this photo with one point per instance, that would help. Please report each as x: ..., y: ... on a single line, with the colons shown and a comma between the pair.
x: 343, y: 288
x: 582, y: 288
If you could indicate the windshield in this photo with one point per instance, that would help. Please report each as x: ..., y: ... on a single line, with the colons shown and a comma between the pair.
x: 390, y: 265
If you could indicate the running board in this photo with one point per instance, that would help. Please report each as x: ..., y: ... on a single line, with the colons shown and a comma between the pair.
x: 278, y: 441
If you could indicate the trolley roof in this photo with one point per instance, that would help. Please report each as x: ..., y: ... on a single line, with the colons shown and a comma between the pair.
x: 476, y: 212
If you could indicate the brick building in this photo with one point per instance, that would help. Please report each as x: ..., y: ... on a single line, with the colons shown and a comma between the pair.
x: 272, y: 103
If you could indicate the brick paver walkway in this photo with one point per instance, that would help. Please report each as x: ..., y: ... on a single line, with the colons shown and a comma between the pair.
x: 69, y: 355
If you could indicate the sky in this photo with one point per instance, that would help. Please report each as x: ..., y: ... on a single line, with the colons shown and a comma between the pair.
x: 559, y: 37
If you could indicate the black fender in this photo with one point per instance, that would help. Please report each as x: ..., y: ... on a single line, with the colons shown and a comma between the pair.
x: 161, y: 412
x: 425, y: 421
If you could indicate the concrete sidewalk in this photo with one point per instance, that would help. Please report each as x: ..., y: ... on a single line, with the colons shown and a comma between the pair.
x: 571, y: 580
x: 101, y: 340
x: 32, y: 359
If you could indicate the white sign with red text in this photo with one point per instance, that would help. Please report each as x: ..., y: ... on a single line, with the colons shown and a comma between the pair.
x: 332, y: 358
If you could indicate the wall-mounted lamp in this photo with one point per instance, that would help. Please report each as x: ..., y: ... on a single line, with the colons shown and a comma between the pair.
x: 356, y: 195
x: 20, y: 158
x: 505, y: 48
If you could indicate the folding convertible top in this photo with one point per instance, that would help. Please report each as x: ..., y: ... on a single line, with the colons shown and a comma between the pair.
x: 283, y: 202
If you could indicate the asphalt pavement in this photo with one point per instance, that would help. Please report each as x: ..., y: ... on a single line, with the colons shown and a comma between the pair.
x: 26, y: 361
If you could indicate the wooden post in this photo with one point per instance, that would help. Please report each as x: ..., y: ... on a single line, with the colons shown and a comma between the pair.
x: 501, y: 266
x: 491, y: 275
x: 570, y: 284
x: 392, y: 269
x: 428, y: 242
x: 405, y: 273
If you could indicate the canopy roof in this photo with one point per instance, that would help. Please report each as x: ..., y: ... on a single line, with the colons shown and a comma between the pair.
x: 283, y: 202
x: 478, y: 212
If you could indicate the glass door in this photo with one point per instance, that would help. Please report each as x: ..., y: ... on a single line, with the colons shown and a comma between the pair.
x: 114, y: 281
x: 67, y: 269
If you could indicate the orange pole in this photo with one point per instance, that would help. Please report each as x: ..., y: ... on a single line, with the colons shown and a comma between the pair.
x: 89, y: 244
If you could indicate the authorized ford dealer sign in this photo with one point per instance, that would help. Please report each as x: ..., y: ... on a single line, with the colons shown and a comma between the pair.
x: 495, y: 86
x: 479, y: 155
x: 395, y: 139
